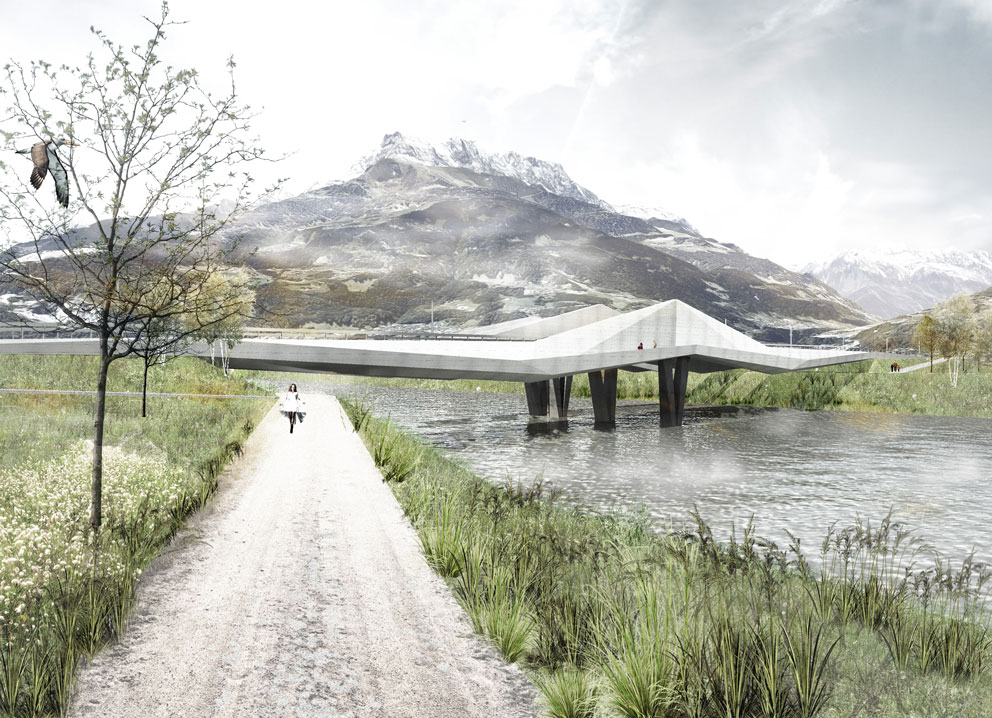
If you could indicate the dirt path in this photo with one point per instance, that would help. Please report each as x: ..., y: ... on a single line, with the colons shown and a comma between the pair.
x: 918, y: 367
x: 300, y: 591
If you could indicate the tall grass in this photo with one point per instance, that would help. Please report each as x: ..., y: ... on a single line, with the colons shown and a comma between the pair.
x: 862, y: 386
x: 65, y: 590
x: 614, y: 618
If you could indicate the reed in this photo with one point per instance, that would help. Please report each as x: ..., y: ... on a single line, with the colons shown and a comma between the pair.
x: 568, y: 693
x: 614, y: 617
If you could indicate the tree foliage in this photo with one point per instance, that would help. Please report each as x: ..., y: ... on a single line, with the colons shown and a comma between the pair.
x: 955, y: 325
x: 983, y: 337
x: 927, y: 336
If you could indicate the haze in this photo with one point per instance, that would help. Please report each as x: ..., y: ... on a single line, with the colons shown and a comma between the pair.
x: 794, y: 129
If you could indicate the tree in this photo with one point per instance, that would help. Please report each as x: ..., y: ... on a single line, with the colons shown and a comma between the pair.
x: 955, y: 330
x: 176, y: 316
x: 983, y: 338
x: 212, y: 322
x: 927, y: 336
x: 156, y: 152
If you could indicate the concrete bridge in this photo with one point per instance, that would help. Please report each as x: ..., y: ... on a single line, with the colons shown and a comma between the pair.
x: 670, y: 338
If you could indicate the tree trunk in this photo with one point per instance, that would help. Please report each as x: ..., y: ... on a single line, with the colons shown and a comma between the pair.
x: 96, y: 482
x: 144, y: 391
x: 931, y: 361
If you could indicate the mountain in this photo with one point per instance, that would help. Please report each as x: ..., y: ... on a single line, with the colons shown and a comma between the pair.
x: 490, y: 238
x: 549, y: 176
x: 898, y: 332
x: 891, y: 284
x: 456, y: 152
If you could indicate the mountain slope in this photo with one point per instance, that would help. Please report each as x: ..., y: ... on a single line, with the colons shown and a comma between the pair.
x: 489, y: 247
x: 898, y: 331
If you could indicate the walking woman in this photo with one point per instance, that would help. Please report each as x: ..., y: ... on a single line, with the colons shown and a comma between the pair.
x: 292, y: 406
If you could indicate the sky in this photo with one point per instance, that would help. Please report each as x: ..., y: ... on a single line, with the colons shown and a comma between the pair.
x: 794, y: 129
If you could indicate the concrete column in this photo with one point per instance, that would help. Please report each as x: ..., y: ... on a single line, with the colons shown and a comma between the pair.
x: 538, y: 397
x: 563, y: 391
x: 672, y: 377
x: 603, y: 387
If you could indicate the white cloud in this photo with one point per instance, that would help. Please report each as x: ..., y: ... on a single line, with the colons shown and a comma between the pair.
x: 978, y: 10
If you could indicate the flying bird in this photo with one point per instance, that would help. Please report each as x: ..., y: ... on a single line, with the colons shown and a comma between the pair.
x: 46, y: 159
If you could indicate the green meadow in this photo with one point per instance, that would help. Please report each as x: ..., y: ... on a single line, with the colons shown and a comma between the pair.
x: 66, y: 590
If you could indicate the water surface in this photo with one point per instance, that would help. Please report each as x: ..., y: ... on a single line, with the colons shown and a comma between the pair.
x: 792, y: 470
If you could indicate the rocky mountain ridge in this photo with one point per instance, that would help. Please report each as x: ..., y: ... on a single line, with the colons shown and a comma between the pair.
x: 895, y: 283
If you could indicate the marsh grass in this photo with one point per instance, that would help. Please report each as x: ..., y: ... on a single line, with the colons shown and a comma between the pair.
x: 568, y: 693
x: 862, y: 386
x: 612, y: 618
x: 65, y: 591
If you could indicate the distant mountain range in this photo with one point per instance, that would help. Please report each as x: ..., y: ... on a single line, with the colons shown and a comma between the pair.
x: 892, y: 284
x: 494, y: 237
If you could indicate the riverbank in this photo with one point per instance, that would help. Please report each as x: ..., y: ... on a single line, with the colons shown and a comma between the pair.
x: 65, y: 592
x: 300, y: 591
x: 609, y: 616
x: 866, y: 386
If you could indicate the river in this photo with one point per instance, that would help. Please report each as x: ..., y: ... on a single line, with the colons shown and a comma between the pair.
x: 791, y: 470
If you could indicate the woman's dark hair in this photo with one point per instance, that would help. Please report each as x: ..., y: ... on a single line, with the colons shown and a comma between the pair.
x: 292, y: 387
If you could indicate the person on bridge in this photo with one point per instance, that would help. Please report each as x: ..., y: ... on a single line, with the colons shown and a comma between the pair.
x: 292, y: 406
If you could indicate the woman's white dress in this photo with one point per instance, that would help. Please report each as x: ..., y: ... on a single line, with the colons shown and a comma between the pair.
x: 290, y: 403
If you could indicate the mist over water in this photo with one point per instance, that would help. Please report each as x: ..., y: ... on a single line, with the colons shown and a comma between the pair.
x: 792, y: 470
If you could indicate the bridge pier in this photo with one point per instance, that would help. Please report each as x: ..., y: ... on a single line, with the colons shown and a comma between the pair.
x: 538, y: 397
x: 563, y: 391
x: 603, y: 387
x: 672, y: 377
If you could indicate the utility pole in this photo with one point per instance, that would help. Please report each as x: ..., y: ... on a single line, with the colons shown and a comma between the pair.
x: 432, y: 316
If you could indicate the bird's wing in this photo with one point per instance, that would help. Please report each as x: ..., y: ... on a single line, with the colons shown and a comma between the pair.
x: 59, y: 175
x: 39, y: 155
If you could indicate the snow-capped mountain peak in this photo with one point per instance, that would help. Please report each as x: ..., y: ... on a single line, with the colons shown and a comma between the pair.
x: 456, y: 152
x: 632, y: 210
x: 895, y: 282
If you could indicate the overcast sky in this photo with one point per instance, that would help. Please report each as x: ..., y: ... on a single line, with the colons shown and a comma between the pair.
x: 794, y: 129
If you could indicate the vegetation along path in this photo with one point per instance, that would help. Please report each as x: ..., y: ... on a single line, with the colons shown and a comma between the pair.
x: 300, y: 591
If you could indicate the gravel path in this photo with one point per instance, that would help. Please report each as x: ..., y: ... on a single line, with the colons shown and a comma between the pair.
x: 300, y: 591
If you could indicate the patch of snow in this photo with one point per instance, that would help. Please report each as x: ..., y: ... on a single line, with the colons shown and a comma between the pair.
x: 282, y: 247
x: 54, y: 254
x: 631, y: 210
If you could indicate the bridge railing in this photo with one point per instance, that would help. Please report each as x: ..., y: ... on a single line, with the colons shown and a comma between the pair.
x: 822, y: 347
x: 44, y: 332
x: 49, y: 331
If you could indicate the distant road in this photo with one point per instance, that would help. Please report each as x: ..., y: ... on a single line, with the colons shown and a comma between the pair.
x: 917, y: 367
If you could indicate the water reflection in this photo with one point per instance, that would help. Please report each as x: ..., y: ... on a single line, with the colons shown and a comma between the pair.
x: 793, y: 471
